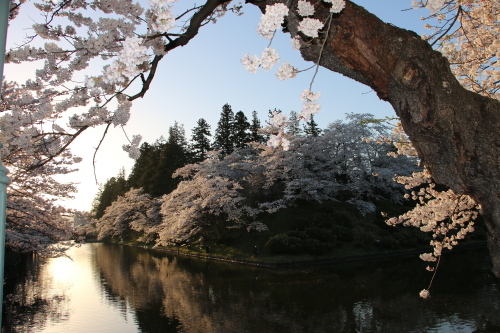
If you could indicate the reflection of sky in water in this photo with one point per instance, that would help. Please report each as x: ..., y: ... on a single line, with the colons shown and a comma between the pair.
x: 110, y: 288
x: 88, y: 310
x: 453, y: 324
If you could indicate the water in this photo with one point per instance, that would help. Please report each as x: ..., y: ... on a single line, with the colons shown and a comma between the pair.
x: 112, y: 288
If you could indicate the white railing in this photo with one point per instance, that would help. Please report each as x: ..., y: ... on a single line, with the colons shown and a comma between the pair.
x: 4, y: 180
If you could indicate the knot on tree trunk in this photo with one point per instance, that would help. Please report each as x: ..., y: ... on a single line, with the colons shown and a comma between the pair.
x: 412, y: 75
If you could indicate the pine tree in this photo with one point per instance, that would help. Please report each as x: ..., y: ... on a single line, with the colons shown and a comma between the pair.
x: 171, y: 155
x: 200, y: 141
x: 241, y: 127
x: 109, y: 192
x: 311, y: 128
x: 142, y: 166
x: 154, y: 168
x: 293, y: 127
x: 177, y: 135
x: 255, y: 127
x: 224, y: 134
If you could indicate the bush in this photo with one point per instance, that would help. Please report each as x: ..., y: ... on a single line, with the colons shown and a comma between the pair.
x: 406, y: 238
x: 287, y: 244
x: 389, y: 242
x: 323, y: 220
x: 342, y: 234
x: 322, y: 235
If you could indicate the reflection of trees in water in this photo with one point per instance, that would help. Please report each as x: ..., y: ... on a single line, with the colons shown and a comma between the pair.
x: 29, y: 299
x: 180, y: 294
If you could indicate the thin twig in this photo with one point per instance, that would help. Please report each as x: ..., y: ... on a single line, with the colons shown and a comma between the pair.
x: 321, y: 51
x: 95, y: 152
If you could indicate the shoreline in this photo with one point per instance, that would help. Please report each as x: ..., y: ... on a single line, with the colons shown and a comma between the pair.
x: 311, y: 262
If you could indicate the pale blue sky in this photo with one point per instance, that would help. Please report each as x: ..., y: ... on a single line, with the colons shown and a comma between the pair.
x: 195, y: 81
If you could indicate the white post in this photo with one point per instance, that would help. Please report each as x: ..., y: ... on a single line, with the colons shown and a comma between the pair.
x: 4, y: 19
x: 4, y: 180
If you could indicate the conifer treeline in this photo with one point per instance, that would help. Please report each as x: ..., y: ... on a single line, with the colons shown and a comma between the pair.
x: 153, y: 170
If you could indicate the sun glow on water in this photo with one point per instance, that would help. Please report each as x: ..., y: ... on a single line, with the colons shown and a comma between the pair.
x: 63, y: 269
x: 83, y: 305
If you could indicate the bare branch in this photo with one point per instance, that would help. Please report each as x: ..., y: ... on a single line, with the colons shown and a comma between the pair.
x: 194, y: 25
x: 97, y: 148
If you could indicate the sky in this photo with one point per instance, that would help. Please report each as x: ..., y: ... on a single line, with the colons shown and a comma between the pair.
x: 196, y: 80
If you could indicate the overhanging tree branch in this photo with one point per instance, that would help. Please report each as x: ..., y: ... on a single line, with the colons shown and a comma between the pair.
x: 195, y: 23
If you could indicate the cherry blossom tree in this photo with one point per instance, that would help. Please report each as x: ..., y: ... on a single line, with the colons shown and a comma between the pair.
x: 205, y: 205
x: 234, y: 192
x: 453, y: 124
x: 134, y: 211
x: 35, y: 222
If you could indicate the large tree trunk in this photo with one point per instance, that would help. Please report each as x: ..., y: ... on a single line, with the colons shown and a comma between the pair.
x: 455, y: 131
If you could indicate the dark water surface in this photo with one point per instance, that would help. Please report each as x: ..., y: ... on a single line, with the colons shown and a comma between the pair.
x: 113, y: 288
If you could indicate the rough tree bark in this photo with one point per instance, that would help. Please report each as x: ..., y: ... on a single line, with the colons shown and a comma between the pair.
x: 455, y: 131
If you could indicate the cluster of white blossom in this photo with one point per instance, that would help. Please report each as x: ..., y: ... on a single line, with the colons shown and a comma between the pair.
x: 160, y: 16
x: 310, y: 26
x: 269, y: 58
x: 133, y: 148
x: 337, y: 5
x: 95, y: 116
x: 305, y: 8
x: 278, y: 121
x: 433, y: 6
x: 132, y: 61
x: 122, y: 113
x: 424, y: 293
x: 286, y: 71
x: 251, y: 63
x: 310, y: 106
x: 296, y: 43
x: 272, y: 20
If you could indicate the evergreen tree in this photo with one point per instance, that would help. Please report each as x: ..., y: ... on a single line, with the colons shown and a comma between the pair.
x: 255, y: 126
x: 241, y: 127
x: 177, y: 136
x: 293, y: 127
x: 200, y: 141
x: 143, y: 166
x: 171, y: 157
x: 224, y: 134
x: 154, y: 168
x: 110, y: 191
x: 311, y: 128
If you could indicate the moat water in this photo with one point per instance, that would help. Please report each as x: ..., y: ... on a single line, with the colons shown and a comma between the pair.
x: 112, y: 288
